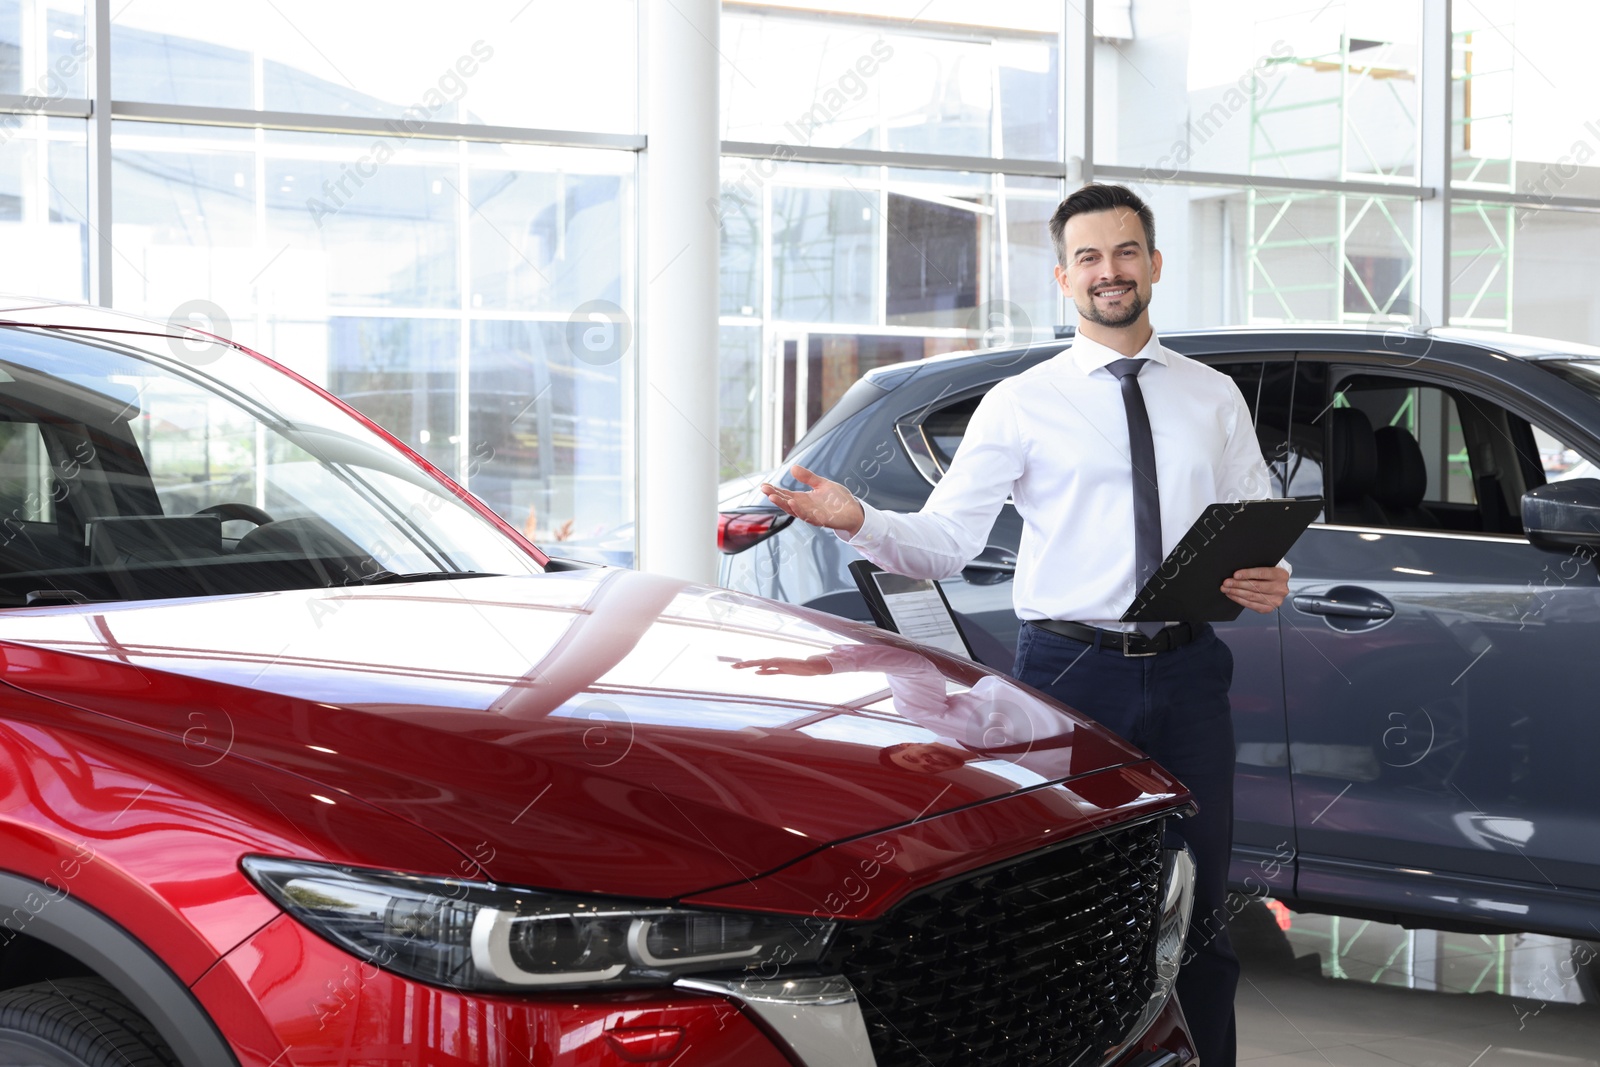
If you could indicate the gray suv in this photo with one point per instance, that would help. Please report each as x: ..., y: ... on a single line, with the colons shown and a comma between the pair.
x: 1418, y: 725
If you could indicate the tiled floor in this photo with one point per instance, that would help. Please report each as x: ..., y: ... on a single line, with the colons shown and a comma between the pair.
x: 1387, y: 996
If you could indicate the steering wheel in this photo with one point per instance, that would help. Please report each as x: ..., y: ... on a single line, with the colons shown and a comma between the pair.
x: 231, y: 510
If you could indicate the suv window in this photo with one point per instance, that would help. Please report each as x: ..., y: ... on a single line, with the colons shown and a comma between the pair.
x: 946, y: 427
x: 1427, y: 415
x: 1437, y: 457
x: 1559, y: 460
x: 1284, y: 400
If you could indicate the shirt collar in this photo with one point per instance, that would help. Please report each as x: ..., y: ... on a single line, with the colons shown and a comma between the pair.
x: 1087, y: 355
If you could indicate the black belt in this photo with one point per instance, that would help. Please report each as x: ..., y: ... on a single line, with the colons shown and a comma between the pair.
x: 1128, y: 642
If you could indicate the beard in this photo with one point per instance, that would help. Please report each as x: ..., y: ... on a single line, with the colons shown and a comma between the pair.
x: 1116, y: 319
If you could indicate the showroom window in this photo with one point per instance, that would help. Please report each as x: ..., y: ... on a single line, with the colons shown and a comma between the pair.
x: 830, y: 268
x: 831, y: 271
x: 1280, y: 147
x: 424, y: 222
x: 417, y: 221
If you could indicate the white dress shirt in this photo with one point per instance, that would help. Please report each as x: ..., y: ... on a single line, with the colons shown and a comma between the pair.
x: 991, y: 718
x: 1055, y: 439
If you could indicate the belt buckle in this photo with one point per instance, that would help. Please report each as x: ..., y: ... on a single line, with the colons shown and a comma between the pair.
x: 1127, y: 649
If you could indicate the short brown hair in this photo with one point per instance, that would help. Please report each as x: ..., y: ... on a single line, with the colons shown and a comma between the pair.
x: 1100, y: 197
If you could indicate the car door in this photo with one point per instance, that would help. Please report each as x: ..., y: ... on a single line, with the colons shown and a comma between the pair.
x: 1440, y: 669
x: 1263, y: 823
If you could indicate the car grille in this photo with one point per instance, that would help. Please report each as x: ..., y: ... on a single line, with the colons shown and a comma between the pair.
x: 1036, y: 962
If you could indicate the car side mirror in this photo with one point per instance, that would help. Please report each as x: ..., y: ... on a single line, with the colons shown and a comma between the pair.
x: 992, y: 566
x: 1562, y: 515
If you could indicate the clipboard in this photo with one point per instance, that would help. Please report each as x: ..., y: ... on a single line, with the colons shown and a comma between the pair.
x: 1187, y: 587
x: 912, y: 607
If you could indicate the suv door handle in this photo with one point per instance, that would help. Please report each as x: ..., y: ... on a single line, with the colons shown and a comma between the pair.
x: 1327, y: 605
x: 1347, y: 607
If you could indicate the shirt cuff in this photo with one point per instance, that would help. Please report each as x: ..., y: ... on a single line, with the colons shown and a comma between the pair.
x: 874, y: 527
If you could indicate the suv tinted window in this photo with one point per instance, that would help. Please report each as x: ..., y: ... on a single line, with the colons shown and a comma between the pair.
x: 1441, y: 457
x: 1285, y: 401
x: 946, y: 427
x: 1427, y: 415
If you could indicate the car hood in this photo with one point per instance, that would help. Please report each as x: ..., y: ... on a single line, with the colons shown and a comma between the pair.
x: 584, y: 730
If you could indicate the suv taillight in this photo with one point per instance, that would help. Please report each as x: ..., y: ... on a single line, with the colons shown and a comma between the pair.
x: 739, y: 530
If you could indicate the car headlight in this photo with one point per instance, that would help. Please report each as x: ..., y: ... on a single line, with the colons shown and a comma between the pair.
x: 468, y: 935
x: 1177, y: 898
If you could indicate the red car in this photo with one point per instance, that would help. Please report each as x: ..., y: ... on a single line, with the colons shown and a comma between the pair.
x: 307, y: 758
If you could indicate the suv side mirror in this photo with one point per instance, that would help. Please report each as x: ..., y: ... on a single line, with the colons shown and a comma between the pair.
x: 1563, y: 514
x: 992, y: 566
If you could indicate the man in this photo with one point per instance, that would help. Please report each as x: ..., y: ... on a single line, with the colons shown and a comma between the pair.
x: 1110, y: 451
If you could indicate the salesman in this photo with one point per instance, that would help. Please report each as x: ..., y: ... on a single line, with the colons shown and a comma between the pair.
x: 1110, y: 450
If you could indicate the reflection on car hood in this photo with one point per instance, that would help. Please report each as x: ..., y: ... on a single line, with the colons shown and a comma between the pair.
x: 584, y: 730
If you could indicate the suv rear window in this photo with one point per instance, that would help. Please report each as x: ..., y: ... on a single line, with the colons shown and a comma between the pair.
x: 946, y: 427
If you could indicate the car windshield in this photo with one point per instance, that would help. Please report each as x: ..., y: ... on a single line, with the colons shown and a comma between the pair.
x: 138, y: 467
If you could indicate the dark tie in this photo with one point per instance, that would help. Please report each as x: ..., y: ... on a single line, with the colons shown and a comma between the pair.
x: 1147, y: 553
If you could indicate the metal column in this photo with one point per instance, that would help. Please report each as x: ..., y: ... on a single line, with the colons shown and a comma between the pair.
x: 98, y: 35
x: 1433, y: 246
x: 677, y: 376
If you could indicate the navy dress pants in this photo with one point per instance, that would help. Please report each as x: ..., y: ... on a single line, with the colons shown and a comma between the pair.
x: 1174, y: 706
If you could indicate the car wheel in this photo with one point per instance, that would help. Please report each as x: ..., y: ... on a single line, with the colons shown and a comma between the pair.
x: 76, y: 1022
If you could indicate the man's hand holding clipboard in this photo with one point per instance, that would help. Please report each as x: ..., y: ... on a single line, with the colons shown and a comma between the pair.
x: 1223, y: 564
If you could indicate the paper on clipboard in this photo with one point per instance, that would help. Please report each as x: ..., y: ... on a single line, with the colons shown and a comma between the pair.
x: 912, y: 607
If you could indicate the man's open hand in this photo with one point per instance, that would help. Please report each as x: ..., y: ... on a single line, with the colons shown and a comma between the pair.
x: 1258, y: 588
x: 786, y: 665
x: 827, y: 504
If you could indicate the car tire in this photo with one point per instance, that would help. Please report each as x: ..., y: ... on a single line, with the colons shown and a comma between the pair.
x: 76, y: 1022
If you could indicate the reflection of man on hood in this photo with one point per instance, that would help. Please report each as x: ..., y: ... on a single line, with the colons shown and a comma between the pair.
x: 989, y: 721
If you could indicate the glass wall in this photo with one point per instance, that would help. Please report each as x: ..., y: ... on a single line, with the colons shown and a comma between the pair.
x: 1263, y: 88
x: 485, y: 63
x: 439, y: 278
x: 1279, y: 144
x: 434, y: 294
x: 1526, y: 124
x: 912, y: 82
x: 832, y: 269
x: 437, y: 218
x: 43, y: 180
x: 1526, y: 114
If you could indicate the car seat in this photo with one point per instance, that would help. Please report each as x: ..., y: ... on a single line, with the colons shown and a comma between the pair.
x: 1402, y: 478
x: 1352, y: 469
